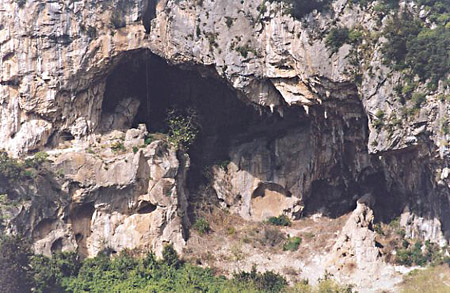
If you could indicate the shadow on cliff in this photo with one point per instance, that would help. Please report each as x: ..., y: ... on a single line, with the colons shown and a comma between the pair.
x: 341, y: 169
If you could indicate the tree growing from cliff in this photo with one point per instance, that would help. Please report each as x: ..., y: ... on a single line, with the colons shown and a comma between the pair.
x: 183, y: 127
x: 15, y: 269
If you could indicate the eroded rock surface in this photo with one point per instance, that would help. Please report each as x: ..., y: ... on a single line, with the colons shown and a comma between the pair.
x: 109, y: 197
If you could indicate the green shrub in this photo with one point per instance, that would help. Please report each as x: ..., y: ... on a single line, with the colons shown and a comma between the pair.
x: 14, y: 170
x: 281, y: 220
x: 414, y: 46
x: 183, y: 127
x: 50, y: 273
x: 37, y: 160
x: 292, y: 244
x: 135, y: 149
x: 379, y: 122
x: 15, y: 269
x: 264, y: 282
x: 245, y: 49
x: 409, y: 255
x: 336, y: 38
x: 201, y: 226
x: 418, y: 99
x: 148, y: 139
x: 170, y: 256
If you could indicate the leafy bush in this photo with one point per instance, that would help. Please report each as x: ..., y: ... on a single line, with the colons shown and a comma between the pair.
x: 292, y: 244
x: 15, y: 170
x: 125, y: 272
x: 201, y: 226
x: 15, y: 270
x: 265, y: 282
x: 245, y: 49
x: 418, y: 99
x: 414, y: 255
x: 50, y: 273
x: 170, y: 256
x: 336, y: 38
x: 422, y: 50
x: 183, y: 127
x: 37, y: 160
x: 281, y: 220
x: 148, y: 139
x: 379, y: 122
x: 117, y: 147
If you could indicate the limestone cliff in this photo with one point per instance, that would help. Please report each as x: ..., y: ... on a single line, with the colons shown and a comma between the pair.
x: 289, y: 125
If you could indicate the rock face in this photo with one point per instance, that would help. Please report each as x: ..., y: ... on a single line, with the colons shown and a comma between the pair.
x: 293, y: 131
x: 109, y: 198
x: 355, y: 252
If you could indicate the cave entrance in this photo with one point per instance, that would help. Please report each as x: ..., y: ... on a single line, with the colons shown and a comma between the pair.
x: 143, y: 87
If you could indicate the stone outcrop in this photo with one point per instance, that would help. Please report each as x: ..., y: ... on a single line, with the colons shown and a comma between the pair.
x: 108, y: 197
x: 356, y: 254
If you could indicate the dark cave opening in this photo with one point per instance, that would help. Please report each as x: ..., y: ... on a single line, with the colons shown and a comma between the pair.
x: 144, y: 79
x: 143, y: 87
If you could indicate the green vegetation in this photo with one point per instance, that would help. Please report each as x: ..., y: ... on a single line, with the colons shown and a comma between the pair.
x: 117, y: 147
x: 325, y: 285
x: 263, y: 282
x: 337, y: 37
x: 201, y: 226
x: 300, y: 8
x: 148, y: 139
x: 15, y: 170
x: 128, y: 271
x: 183, y: 128
x: 281, y: 220
x: 419, y: 254
x: 421, y: 50
x: 379, y: 121
x: 65, y: 272
x: 292, y: 244
x: 417, y: 100
x: 15, y: 269
x: 245, y: 49
x: 52, y: 274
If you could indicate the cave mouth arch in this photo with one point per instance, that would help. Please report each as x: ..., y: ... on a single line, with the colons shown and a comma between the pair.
x: 142, y: 87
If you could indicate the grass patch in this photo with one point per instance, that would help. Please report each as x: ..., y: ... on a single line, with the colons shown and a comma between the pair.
x: 292, y: 244
x: 201, y: 226
x: 433, y: 279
